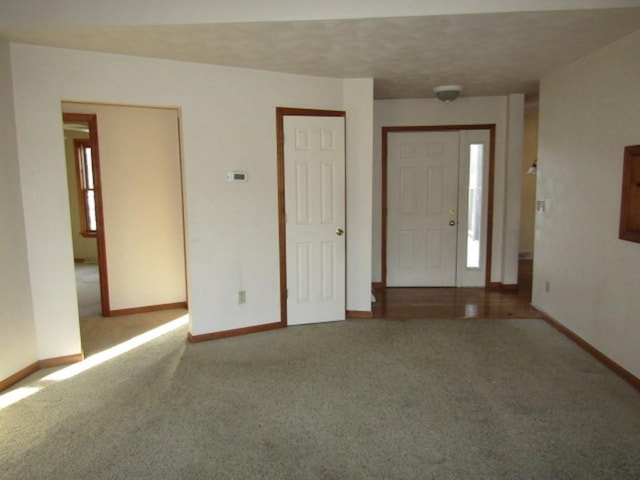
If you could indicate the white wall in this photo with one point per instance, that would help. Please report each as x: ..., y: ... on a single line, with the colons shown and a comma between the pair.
x: 142, y: 203
x: 512, y: 195
x: 358, y: 103
x: 506, y: 113
x: 528, y: 195
x: 47, y: 219
x: 589, y: 111
x: 228, y: 123
x: 17, y: 340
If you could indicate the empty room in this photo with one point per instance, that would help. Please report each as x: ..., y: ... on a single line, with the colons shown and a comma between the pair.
x: 389, y: 240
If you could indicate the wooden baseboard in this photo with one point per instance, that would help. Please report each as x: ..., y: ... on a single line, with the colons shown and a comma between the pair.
x: 593, y: 351
x: 504, y: 287
x: 40, y: 364
x: 150, y: 308
x: 16, y: 377
x: 205, y: 337
x: 359, y: 314
x: 57, y: 361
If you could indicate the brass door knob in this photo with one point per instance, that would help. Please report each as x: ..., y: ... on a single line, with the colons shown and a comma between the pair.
x: 339, y: 232
x: 452, y: 223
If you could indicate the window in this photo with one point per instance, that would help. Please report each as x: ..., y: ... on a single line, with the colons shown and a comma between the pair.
x: 86, y: 187
x: 474, y: 224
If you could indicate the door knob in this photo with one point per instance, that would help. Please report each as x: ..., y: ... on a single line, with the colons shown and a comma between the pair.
x: 452, y: 223
x: 339, y: 232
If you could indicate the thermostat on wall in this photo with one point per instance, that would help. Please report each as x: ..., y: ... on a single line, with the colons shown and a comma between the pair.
x: 237, y: 177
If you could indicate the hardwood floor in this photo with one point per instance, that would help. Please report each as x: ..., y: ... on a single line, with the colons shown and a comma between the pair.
x: 459, y: 302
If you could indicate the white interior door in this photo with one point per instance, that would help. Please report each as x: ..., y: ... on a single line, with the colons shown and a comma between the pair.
x: 314, y: 159
x: 422, y: 208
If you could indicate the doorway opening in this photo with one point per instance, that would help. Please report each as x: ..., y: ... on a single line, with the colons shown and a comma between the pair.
x: 124, y: 169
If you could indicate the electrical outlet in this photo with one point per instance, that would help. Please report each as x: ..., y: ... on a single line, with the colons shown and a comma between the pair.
x: 242, y: 296
x: 547, y: 286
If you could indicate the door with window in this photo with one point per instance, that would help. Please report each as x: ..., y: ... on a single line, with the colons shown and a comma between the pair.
x: 437, y: 215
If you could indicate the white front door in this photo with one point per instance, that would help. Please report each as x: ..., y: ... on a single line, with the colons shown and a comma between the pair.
x: 314, y: 164
x: 422, y: 209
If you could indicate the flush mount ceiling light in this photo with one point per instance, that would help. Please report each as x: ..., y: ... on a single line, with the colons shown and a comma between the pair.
x: 447, y: 93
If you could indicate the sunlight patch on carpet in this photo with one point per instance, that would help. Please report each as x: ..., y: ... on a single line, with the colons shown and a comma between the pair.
x: 116, y: 351
x: 16, y: 395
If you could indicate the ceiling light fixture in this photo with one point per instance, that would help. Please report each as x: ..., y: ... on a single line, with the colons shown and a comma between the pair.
x: 447, y: 93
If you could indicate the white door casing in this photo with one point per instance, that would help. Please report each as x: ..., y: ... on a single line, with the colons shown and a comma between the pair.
x: 422, y: 203
x: 314, y: 166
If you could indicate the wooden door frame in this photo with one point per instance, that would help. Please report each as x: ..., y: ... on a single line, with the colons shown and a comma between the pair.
x: 281, y: 112
x: 92, y: 122
x: 491, y: 127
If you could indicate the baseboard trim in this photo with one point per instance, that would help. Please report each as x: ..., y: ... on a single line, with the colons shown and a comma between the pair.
x: 57, y: 361
x: 359, y: 314
x: 205, y: 337
x: 16, y: 377
x: 505, y: 287
x: 593, y: 351
x: 151, y: 308
x: 39, y: 365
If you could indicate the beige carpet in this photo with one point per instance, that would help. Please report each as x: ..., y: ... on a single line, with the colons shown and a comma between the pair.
x: 100, y: 333
x: 88, y: 289
x: 362, y: 399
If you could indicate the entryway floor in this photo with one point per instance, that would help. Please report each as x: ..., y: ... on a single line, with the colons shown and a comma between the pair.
x: 459, y: 302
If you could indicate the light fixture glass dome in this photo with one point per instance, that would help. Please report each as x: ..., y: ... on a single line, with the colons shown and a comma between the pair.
x: 447, y: 93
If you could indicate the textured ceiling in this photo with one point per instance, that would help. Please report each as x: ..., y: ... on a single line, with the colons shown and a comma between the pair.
x: 489, y: 54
